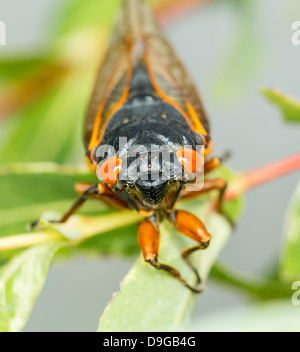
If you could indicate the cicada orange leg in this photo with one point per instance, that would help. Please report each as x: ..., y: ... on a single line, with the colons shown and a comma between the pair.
x: 148, y: 240
x: 189, y: 225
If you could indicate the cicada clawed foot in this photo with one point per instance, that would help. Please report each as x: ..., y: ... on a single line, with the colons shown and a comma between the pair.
x: 39, y: 224
x: 186, y: 223
x: 187, y: 252
x: 34, y: 225
x: 175, y: 273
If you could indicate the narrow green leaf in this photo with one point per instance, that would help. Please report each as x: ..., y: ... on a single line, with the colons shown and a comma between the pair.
x: 289, y: 106
x: 23, y: 279
x: 16, y: 67
x: 50, y: 129
x: 256, y: 287
x: 289, y: 269
x: 28, y: 190
x: 151, y: 300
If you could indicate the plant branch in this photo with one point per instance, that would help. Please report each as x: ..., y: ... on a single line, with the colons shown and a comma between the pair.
x: 254, y: 178
x: 169, y: 10
x: 258, y: 287
x: 76, y: 230
x: 27, y: 240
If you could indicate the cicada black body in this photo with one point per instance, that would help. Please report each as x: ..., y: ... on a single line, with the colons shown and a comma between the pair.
x: 147, y: 135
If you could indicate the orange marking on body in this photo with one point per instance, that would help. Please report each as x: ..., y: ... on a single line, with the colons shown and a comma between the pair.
x: 198, y: 125
x: 158, y: 90
x: 97, y: 136
x: 127, y: 88
x: 194, y: 116
x: 92, y: 166
x: 110, y: 169
x: 208, y: 150
x: 190, y: 159
x: 116, y: 107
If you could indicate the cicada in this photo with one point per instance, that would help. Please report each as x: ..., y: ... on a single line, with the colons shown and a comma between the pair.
x: 147, y: 136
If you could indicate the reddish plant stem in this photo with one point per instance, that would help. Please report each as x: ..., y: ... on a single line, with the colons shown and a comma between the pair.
x: 170, y: 10
x: 257, y: 177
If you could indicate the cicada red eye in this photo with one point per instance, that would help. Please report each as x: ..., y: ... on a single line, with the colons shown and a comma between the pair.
x: 110, y: 169
x: 190, y: 159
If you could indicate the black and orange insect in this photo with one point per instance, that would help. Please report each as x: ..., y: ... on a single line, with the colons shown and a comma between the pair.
x: 143, y: 125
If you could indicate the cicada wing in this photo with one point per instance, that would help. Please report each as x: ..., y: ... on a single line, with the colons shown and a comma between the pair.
x: 168, y: 76
x: 172, y: 81
x: 137, y: 38
x: 125, y: 50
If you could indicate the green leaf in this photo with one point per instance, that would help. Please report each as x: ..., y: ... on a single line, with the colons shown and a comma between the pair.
x: 24, y: 277
x: 79, y: 14
x: 151, y: 300
x: 234, y: 207
x: 13, y: 67
x: 50, y: 130
x: 289, y: 106
x: 261, y: 288
x: 28, y: 190
x: 118, y: 242
x: 289, y: 269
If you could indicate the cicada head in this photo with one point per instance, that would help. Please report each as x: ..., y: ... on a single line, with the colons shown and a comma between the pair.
x: 150, y: 166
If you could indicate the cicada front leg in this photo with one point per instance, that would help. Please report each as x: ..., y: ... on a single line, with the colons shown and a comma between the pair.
x: 217, y: 184
x: 148, y: 240
x: 87, y: 191
x: 189, y: 225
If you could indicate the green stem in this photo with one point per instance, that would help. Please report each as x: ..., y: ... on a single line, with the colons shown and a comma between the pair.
x: 84, y: 227
x: 260, y: 288
x: 27, y: 240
